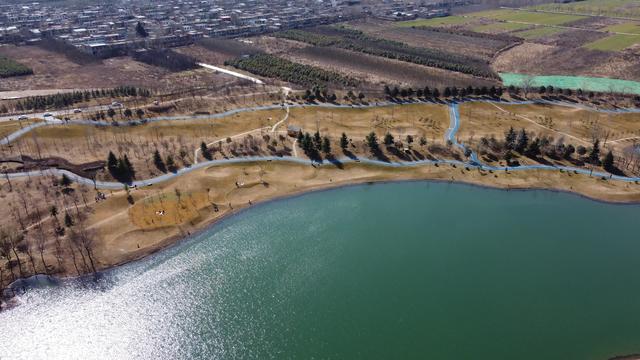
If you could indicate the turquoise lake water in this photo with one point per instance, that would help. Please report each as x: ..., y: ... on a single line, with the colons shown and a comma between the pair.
x: 392, y: 271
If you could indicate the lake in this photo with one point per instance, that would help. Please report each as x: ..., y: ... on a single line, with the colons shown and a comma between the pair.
x: 414, y: 270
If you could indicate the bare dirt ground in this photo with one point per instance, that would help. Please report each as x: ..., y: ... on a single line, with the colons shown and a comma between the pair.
x: 205, y: 55
x: 540, y: 59
x: 571, y: 38
x: 53, y: 71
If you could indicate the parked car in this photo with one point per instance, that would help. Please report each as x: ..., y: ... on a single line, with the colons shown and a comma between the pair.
x: 23, y: 117
x: 77, y: 111
x: 48, y: 115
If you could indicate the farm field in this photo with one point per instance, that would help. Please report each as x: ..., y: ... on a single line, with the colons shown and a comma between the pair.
x: 372, y: 71
x: 355, y: 40
x: 440, y: 21
x: 457, y: 41
x: 501, y: 27
x: 561, y: 57
x: 538, y: 32
x: 614, y: 43
x: 613, y: 8
x: 528, y: 17
x: 629, y: 27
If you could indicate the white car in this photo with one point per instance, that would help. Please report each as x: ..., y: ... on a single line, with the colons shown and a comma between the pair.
x: 77, y: 111
x: 23, y: 117
x: 116, y: 104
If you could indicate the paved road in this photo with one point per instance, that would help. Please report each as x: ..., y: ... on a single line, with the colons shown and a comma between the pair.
x: 232, y: 73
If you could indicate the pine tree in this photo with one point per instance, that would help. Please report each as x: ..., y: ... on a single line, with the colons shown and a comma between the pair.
x: 158, y: 162
x: 594, y: 155
x: 388, y: 139
x: 326, y: 145
x: 372, y: 142
x: 510, y: 139
x: 317, y: 140
x: 344, y: 141
x: 205, y: 151
x: 171, y: 165
x: 523, y: 141
x: 608, y: 162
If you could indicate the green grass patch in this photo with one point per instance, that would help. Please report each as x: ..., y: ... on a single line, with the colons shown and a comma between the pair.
x: 574, y: 82
x: 630, y: 28
x: 440, y: 21
x: 614, y: 43
x: 9, y: 67
x: 501, y: 27
x: 527, y: 17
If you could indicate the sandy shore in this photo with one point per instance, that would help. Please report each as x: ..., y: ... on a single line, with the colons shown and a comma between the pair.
x: 163, y: 214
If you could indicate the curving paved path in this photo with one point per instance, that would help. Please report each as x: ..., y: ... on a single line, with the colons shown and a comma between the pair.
x: 449, y: 136
x: 455, y: 125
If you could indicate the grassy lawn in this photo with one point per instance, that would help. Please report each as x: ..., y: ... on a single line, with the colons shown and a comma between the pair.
x: 538, y: 32
x: 448, y: 20
x: 527, y: 17
x: 614, y: 43
x: 501, y: 27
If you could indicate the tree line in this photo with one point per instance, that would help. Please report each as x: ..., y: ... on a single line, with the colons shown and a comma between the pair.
x: 447, y: 92
x: 474, y: 34
x: 275, y: 67
x: 524, y: 143
x: 62, y: 100
x: 120, y: 168
x: 356, y: 40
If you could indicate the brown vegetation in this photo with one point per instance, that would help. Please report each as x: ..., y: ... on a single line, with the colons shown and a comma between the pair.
x: 54, y: 71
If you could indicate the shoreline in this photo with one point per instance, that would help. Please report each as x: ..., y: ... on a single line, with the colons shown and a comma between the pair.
x: 124, y: 233
x: 177, y: 240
